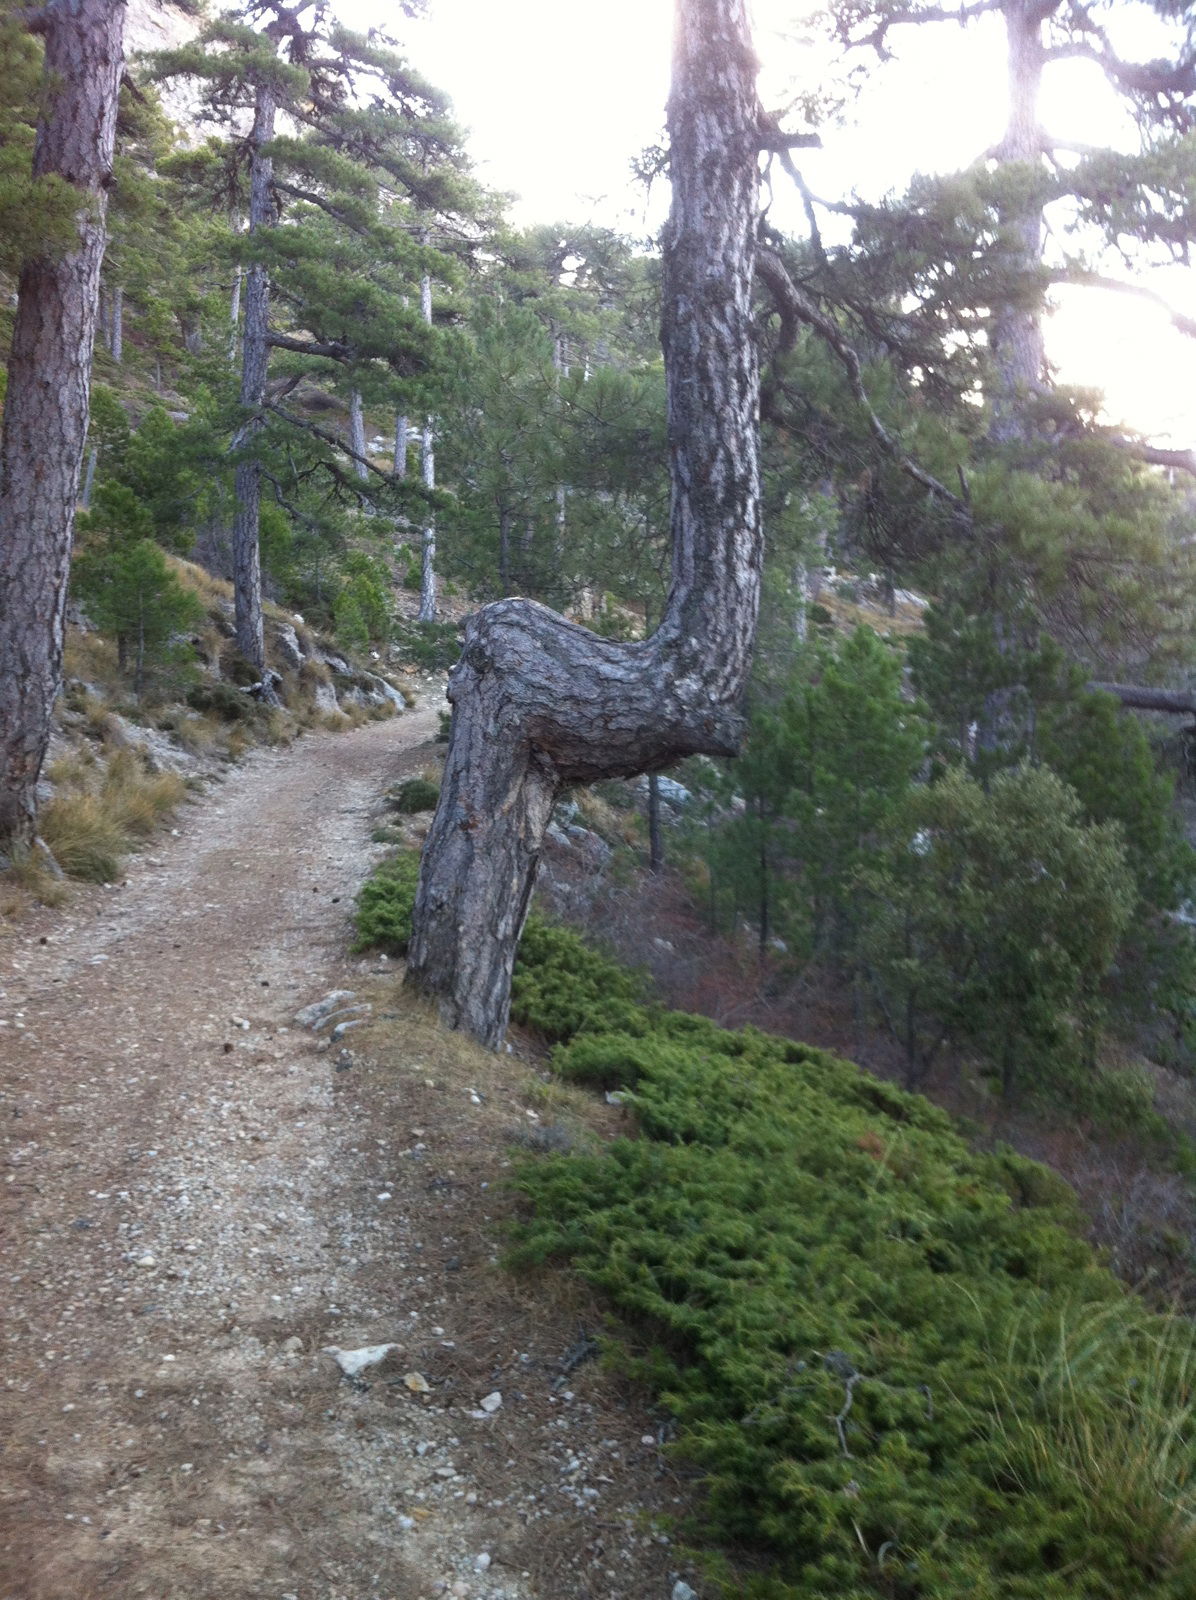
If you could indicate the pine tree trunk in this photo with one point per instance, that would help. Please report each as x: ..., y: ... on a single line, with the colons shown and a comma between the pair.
x: 540, y: 702
x: 1016, y: 336
x: 234, y: 315
x: 255, y: 353
x: 357, y: 434
x: 400, y: 456
x: 427, y: 570
x: 655, y: 842
x: 89, y: 478
x: 46, y: 407
x: 116, y: 331
x: 561, y: 368
x: 504, y: 548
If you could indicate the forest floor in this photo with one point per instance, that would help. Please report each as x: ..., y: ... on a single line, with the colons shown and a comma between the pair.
x: 199, y: 1196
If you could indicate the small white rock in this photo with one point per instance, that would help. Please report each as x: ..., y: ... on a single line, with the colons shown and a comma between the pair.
x: 481, y: 1563
x: 146, y: 1261
x: 492, y: 1402
x: 354, y: 1362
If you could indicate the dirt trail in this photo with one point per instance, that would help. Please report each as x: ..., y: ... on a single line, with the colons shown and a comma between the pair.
x: 196, y: 1200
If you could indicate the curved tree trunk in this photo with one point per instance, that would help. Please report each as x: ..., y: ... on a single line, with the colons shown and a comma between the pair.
x: 540, y: 702
x: 255, y: 356
x: 45, y: 411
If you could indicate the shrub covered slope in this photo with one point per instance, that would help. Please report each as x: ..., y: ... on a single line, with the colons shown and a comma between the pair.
x: 900, y: 1370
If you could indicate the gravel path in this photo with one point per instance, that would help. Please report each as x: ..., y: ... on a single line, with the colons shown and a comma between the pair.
x: 196, y: 1202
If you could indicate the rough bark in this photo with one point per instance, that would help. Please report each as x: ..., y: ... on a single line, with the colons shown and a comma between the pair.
x: 540, y: 702
x: 255, y: 356
x: 357, y: 434
x: 45, y: 412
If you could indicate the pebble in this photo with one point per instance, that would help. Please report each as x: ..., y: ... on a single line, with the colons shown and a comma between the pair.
x: 492, y: 1402
x: 682, y: 1591
x: 481, y: 1563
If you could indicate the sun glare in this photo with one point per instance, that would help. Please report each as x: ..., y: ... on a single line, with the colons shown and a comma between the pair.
x: 559, y: 98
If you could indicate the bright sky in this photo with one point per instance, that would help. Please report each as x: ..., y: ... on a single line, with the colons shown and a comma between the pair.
x: 560, y: 95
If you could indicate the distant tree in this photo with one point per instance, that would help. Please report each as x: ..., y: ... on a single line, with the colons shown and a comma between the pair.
x: 129, y: 589
x: 372, y: 164
x: 993, y: 916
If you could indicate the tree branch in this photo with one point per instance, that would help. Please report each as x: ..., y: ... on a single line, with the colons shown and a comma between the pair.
x: 334, y: 350
x: 1180, y: 702
x: 1097, y: 280
x: 796, y: 307
x: 1154, y: 455
x: 331, y: 439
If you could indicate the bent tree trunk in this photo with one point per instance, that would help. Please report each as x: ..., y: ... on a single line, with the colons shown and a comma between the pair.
x: 540, y: 702
x: 45, y: 412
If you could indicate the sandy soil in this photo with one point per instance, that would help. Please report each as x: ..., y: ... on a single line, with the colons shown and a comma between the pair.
x: 198, y: 1197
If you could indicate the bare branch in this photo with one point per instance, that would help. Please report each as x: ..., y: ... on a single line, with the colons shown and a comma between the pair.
x: 1155, y: 455
x: 329, y: 438
x: 1180, y: 702
x: 334, y: 350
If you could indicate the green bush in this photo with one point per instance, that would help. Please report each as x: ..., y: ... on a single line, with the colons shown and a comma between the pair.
x: 560, y: 986
x: 900, y: 1371
x: 384, y: 906
x: 434, y: 646
x: 414, y: 794
x: 222, y: 700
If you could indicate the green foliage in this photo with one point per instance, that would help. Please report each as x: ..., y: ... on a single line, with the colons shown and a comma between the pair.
x: 994, y: 914
x: 414, y: 794
x: 362, y: 610
x: 821, y: 772
x: 431, y: 646
x: 384, y: 906
x: 37, y: 215
x: 897, y: 1368
x: 561, y: 986
x: 129, y: 590
x: 223, y: 700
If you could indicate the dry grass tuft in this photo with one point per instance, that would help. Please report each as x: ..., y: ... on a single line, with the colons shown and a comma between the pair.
x: 87, y: 841
x: 102, y: 813
x: 30, y: 877
x: 214, y: 593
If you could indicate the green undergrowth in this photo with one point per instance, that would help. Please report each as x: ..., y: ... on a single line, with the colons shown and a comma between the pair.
x: 898, y: 1368
x: 559, y: 983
